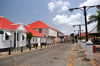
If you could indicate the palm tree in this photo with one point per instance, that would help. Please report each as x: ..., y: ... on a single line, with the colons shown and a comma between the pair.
x: 29, y: 36
x: 95, y: 18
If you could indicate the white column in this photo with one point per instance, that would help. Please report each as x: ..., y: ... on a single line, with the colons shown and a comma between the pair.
x: 84, y: 45
x: 12, y: 33
x: 38, y: 40
x: 89, y: 50
x: 1, y: 38
x: 25, y: 39
x: 20, y: 39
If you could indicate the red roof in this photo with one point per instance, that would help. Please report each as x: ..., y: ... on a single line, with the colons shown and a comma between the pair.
x: 15, y: 26
x: 82, y: 34
x: 6, y: 24
x: 39, y: 24
x: 33, y: 31
x: 67, y: 36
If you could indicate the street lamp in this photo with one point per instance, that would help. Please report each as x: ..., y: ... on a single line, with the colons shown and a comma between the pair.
x: 79, y: 28
x: 84, y: 9
x: 78, y: 33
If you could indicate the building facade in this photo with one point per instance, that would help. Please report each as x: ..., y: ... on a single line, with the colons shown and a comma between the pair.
x: 12, y: 35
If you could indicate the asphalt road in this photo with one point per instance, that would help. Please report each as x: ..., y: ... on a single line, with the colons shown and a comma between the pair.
x: 57, y: 55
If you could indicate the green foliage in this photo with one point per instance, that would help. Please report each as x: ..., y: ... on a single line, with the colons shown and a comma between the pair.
x: 84, y: 37
x: 75, y: 36
x: 81, y: 38
x: 72, y: 34
x: 29, y: 35
x: 95, y: 18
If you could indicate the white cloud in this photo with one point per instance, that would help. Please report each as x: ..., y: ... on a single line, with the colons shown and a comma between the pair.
x: 51, y: 6
x: 89, y: 14
x: 64, y: 30
x: 64, y: 19
x: 90, y: 3
x: 63, y: 5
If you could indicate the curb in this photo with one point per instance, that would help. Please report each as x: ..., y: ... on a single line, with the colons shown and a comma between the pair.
x: 27, y: 50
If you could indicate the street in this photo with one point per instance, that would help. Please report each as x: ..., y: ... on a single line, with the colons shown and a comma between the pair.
x: 56, y: 55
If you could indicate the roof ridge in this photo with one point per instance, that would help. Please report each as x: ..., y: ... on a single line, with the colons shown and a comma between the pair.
x: 14, y: 24
x: 39, y: 24
x: 33, y: 22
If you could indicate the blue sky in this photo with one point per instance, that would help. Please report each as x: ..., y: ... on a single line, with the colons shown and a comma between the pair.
x: 54, y: 13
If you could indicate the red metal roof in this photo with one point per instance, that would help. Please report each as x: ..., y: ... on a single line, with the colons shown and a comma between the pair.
x: 6, y: 24
x: 14, y: 26
x: 33, y: 31
x: 82, y: 34
x: 39, y: 24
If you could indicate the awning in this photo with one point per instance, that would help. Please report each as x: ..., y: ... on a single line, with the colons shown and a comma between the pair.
x: 8, y: 33
x: 24, y: 35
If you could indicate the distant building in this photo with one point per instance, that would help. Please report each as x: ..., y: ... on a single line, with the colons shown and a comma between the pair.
x: 45, y: 30
x: 59, y: 38
x: 82, y: 34
x: 36, y: 36
x: 67, y: 37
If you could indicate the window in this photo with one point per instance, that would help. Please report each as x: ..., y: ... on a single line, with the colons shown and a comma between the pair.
x: 36, y: 39
x: 33, y: 39
x: 17, y: 36
x: 23, y: 37
x: 1, y: 32
x: 40, y: 30
x: 6, y: 36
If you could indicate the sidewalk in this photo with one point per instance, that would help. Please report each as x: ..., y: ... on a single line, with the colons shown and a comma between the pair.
x: 96, y: 55
x: 25, y: 49
x: 78, y: 57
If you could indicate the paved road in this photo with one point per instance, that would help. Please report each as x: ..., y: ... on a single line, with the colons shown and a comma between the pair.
x: 57, y: 55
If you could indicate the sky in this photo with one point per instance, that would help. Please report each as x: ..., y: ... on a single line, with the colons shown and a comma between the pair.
x: 54, y: 13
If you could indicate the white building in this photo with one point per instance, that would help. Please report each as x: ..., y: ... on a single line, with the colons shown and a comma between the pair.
x: 11, y: 35
x: 47, y: 31
x: 37, y: 37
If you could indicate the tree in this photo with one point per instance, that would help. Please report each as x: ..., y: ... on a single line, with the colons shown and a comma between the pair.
x: 75, y: 36
x: 29, y: 36
x: 95, y: 18
x: 72, y: 34
x: 81, y: 38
